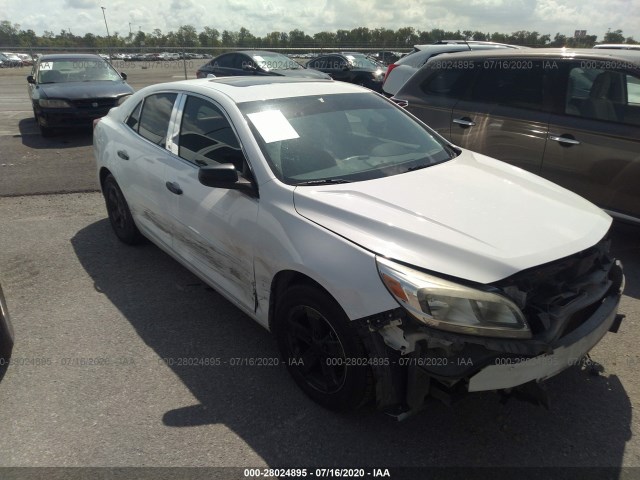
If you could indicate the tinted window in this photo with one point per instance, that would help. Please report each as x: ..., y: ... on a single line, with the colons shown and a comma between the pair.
x: 512, y: 82
x: 608, y: 95
x: 447, y: 82
x: 134, y: 118
x: 224, y: 61
x: 156, y: 114
x: 242, y: 61
x: 328, y: 63
x: 206, y: 137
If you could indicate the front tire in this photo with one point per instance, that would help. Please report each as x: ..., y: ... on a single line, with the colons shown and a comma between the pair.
x: 321, y: 350
x: 119, y: 213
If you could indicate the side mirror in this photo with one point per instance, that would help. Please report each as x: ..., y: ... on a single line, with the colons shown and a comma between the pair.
x: 30, y: 79
x: 225, y: 176
x: 346, y: 67
x: 123, y: 75
x: 247, y: 67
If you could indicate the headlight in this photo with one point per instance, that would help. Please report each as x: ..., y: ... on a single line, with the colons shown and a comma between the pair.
x: 121, y: 100
x: 449, y: 306
x: 53, y: 103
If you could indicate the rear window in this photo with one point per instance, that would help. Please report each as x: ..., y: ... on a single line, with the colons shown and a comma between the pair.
x: 156, y: 113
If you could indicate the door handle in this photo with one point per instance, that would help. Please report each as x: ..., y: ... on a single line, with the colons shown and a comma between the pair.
x: 123, y: 155
x: 173, y: 187
x: 464, y: 122
x: 565, y: 140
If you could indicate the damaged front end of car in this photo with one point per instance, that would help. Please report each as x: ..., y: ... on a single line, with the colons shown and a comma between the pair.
x: 448, y: 339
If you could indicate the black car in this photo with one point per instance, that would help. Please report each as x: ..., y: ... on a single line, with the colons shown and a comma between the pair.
x: 255, y: 62
x: 6, y: 334
x: 71, y: 90
x: 351, y: 67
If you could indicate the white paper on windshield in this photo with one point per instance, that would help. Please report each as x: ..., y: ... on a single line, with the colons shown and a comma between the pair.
x: 273, y: 126
x: 258, y: 58
x: 46, y: 66
x: 350, y: 57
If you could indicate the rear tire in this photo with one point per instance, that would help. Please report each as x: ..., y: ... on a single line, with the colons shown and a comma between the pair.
x: 321, y: 350
x: 119, y: 213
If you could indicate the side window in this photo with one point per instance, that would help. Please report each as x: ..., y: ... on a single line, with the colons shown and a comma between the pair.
x: 447, y: 83
x: 607, y: 95
x: 223, y: 61
x: 339, y: 63
x: 134, y: 117
x: 206, y: 136
x: 155, y: 117
x: 243, y: 61
x: 321, y: 62
x: 511, y: 82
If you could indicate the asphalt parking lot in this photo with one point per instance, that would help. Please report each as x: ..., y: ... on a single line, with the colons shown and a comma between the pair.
x: 102, y: 378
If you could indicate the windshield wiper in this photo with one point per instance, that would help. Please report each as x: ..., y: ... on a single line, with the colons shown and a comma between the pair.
x: 325, y: 181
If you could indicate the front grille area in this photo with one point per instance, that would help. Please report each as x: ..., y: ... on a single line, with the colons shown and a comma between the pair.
x: 95, y: 103
x: 558, y: 297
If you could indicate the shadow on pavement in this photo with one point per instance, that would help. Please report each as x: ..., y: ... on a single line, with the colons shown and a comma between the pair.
x: 588, y: 424
x: 61, y: 138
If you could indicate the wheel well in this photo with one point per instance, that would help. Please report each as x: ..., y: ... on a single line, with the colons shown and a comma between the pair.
x: 281, y: 282
x: 104, y: 172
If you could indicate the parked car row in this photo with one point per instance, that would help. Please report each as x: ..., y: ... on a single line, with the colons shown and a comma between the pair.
x: 390, y: 264
x: 255, y: 62
x: 350, y: 67
x: 10, y: 60
x: 302, y: 200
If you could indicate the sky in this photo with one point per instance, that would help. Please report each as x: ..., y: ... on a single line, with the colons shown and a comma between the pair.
x: 264, y: 16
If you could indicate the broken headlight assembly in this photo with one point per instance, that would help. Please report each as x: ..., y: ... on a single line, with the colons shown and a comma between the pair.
x: 450, y: 306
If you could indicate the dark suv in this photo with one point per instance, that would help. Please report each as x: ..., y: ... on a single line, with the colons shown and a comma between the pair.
x: 571, y: 116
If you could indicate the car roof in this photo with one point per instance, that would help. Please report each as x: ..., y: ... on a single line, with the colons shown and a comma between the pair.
x: 622, y: 46
x: 250, y: 88
x: 69, y: 56
x: 555, y: 53
x: 476, y: 43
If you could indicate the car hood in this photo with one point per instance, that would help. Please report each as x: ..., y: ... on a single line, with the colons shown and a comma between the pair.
x: 80, y: 90
x: 473, y: 218
x: 302, y: 73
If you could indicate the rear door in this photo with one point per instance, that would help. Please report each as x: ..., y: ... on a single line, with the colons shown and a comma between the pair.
x: 506, y: 112
x: 594, y: 138
x: 142, y: 158
x: 434, y: 91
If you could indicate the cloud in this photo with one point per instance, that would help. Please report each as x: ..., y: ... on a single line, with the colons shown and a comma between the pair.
x: 264, y: 16
x: 84, y: 4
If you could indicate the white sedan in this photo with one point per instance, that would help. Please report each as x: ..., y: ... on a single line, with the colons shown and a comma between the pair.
x: 390, y: 264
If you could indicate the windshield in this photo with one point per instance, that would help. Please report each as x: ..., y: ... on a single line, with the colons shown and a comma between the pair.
x: 76, y: 70
x: 275, y: 61
x: 341, y: 138
x: 362, y: 61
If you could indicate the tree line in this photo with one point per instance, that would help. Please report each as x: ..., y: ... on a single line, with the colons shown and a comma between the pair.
x: 11, y: 35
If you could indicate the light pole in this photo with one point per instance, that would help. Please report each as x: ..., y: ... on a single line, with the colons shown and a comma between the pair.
x: 108, y: 36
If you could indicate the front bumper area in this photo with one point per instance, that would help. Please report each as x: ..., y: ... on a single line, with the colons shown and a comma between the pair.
x: 412, y: 361
x: 69, y: 117
x: 510, y: 372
